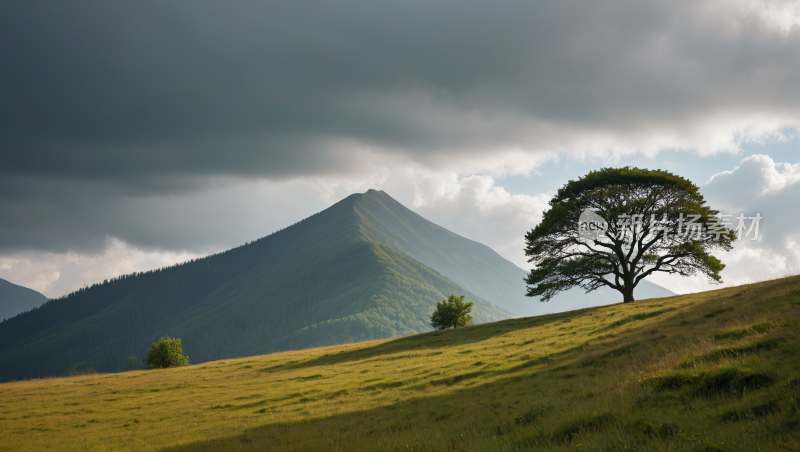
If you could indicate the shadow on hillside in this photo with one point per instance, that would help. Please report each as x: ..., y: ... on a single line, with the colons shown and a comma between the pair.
x: 421, y: 343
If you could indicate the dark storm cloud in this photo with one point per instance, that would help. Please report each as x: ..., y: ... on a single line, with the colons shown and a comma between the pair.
x: 102, y: 100
x: 100, y: 81
x: 82, y: 216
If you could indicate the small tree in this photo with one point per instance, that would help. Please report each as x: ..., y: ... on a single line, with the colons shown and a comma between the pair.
x: 452, y: 312
x: 166, y: 353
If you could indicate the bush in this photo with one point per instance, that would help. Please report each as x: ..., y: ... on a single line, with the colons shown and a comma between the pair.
x: 166, y: 353
x: 452, y: 312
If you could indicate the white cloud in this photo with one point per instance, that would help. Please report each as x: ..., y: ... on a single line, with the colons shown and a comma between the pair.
x: 755, y: 177
x: 476, y: 208
x: 782, y: 16
x: 758, y: 184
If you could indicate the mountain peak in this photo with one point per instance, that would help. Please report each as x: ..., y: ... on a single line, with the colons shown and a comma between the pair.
x: 356, y: 197
x: 375, y: 194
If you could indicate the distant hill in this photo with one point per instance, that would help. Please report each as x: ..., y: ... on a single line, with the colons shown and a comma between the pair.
x: 16, y: 299
x: 322, y: 281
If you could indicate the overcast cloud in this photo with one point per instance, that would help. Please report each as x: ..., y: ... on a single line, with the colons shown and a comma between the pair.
x: 142, y: 132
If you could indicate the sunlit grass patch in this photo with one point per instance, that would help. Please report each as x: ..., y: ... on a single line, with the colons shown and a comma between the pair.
x: 736, y: 333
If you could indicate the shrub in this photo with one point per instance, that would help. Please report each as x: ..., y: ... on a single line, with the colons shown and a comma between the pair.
x: 452, y: 312
x: 166, y: 353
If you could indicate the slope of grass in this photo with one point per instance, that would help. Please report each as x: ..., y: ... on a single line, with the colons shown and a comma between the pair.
x: 657, y: 375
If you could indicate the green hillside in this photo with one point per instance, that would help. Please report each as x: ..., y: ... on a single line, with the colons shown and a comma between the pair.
x: 321, y: 281
x: 371, y: 291
x: 471, y: 264
x: 714, y: 371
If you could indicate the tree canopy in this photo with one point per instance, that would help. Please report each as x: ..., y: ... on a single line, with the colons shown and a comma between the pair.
x: 616, y: 226
x: 451, y: 313
x: 166, y: 353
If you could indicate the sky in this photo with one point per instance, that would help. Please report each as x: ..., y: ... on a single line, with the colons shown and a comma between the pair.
x: 137, y: 135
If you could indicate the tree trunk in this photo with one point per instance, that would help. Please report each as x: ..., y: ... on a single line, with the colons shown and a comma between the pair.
x: 628, y: 294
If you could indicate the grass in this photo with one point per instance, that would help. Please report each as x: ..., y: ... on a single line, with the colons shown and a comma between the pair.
x: 702, y: 372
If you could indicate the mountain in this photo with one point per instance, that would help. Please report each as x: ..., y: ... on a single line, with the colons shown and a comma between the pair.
x: 322, y: 281
x: 16, y: 299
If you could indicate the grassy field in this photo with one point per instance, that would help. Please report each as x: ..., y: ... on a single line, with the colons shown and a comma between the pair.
x: 712, y: 371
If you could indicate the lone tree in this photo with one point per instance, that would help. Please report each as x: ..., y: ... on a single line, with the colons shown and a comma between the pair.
x: 452, y: 312
x: 166, y: 353
x: 616, y: 226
